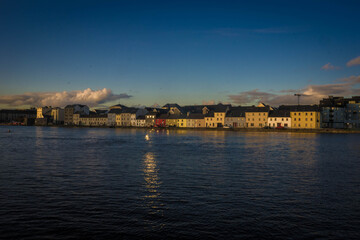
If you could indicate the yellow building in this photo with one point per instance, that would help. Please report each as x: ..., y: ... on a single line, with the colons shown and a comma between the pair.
x: 304, y: 116
x: 172, y: 120
x: 257, y: 117
x: 210, y: 120
x: 181, y: 122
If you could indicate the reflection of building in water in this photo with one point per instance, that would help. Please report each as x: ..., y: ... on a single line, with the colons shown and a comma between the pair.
x: 152, y: 182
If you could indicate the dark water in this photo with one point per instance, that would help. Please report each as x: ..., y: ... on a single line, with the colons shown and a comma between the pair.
x: 58, y: 183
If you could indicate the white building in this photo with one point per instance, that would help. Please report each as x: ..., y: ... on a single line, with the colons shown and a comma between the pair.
x: 279, y: 119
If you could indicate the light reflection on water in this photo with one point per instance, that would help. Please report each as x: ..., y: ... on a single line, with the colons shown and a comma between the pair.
x: 102, y: 183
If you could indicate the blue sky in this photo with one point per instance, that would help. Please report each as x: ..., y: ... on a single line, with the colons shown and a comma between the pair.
x: 176, y: 51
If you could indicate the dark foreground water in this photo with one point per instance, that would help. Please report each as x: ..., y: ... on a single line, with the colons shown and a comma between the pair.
x: 83, y: 183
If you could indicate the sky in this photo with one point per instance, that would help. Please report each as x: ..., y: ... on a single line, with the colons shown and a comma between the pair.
x: 139, y: 53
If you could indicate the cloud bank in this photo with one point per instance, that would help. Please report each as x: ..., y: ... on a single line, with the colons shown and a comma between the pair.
x: 353, y: 62
x: 88, y: 97
x: 311, y: 94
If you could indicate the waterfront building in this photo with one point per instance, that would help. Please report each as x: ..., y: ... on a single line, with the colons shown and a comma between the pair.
x: 210, y: 120
x: 125, y: 116
x: 161, y: 120
x: 333, y: 112
x: 133, y: 119
x: 172, y: 120
x: 150, y: 118
x: 26, y: 116
x: 181, y: 121
x: 42, y: 112
x: 303, y: 116
x: 43, y: 116
x: 140, y: 121
x: 352, y: 111
x: 75, y: 108
x: 257, y: 117
x: 195, y: 120
x: 279, y: 119
x: 92, y: 120
x: 111, y: 122
x: 57, y: 115
x: 235, y: 118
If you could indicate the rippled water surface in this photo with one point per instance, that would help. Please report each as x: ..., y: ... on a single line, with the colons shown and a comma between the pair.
x: 88, y: 183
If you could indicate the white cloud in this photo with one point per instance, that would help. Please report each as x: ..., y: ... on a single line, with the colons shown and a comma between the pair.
x: 353, y: 62
x: 88, y: 97
x: 329, y: 66
x: 311, y: 93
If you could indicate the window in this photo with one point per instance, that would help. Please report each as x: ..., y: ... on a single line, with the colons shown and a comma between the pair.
x: 252, y: 124
x: 305, y: 114
x: 294, y: 119
x: 305, y: 119
x: 299, y: 119
x: 311, y: 114
x: 310, y: 119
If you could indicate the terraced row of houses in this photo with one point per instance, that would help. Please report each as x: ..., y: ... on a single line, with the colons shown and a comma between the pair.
x: 332, y: 112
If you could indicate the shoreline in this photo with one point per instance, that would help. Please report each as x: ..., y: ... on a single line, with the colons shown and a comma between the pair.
x: 321, y: 130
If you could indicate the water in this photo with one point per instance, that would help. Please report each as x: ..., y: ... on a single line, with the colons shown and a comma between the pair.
x: 87, y: 183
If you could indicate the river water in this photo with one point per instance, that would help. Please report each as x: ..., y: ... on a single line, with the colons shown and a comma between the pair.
x: 99, y: 183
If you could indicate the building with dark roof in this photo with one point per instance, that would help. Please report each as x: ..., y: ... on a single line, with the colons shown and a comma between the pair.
x: 279, y: 119
x: 256, y: 117
x: 71, y: 109
x: 235, y: 118
x: 195, y: 120
x: 303, y: 116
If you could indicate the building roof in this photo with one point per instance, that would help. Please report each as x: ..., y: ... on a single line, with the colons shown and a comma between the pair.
x: 279, y: 113
x: 193, y: 109
x: 195, y: 116
x: 219, y: 107
x: 162, y: 116
x: 300, y: 108
x: 256, y: 109
x: 115, y: 110
x: 236, y: 112
x: 210, y: 114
